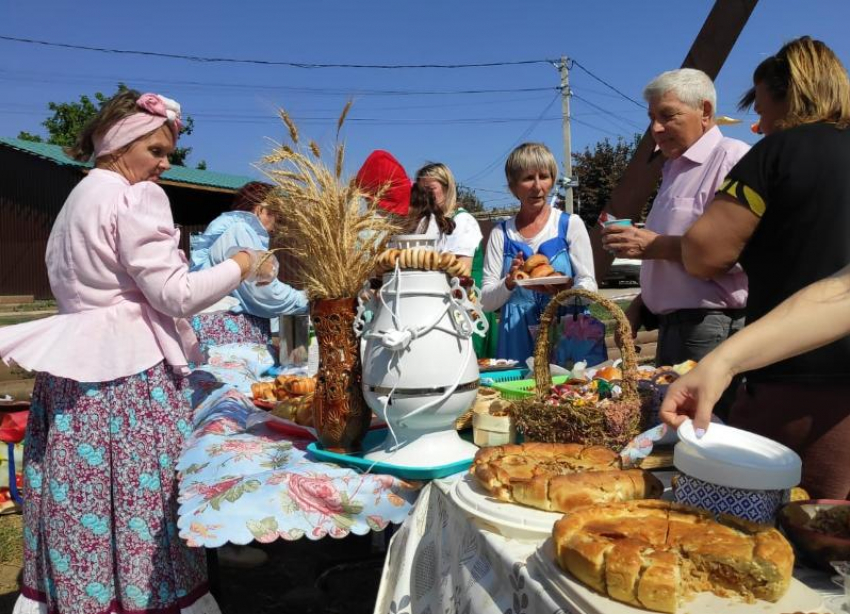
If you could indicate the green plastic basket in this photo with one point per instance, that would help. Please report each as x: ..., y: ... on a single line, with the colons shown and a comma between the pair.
x: 491, y: 378
x: 524, y: 388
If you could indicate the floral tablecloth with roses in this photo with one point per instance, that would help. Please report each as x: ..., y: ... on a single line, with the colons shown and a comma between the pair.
x: 242, y: 481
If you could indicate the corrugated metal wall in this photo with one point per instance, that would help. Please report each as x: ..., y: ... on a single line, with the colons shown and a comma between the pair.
x: 32, y: 191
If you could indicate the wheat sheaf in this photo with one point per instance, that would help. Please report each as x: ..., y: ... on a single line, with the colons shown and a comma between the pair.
x: 333, y: 229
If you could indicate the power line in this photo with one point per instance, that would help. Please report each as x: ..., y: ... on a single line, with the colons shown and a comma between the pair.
x: 219, y: 118
x: 578, y: 121
x: 483, y: 172
x: 224, y: 60
x: 608, y: 85
x: 479, y: 189
x: 607, y: 112
x: 319, y: 91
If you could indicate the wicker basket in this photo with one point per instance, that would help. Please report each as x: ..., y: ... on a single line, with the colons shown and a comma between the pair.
x: 613, y: 424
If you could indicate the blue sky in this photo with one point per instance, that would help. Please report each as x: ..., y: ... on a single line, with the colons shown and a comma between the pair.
x: 407, y: 112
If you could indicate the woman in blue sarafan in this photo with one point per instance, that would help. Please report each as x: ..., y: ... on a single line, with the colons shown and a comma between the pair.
x: 243, y: 317
x: 538, y: 228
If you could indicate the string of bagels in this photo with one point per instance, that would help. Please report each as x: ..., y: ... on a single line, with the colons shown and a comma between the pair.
x: 422, y: 259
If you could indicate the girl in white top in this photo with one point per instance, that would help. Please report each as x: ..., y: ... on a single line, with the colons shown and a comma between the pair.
x: 466, y: 237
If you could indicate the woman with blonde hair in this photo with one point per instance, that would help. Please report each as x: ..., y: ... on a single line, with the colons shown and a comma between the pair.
x: 538, y: 228
x: 466, y: 236
x: 784, y: 213
x: 464, y: 241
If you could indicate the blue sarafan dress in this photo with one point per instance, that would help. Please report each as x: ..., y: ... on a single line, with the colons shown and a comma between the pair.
x: 523, y: 310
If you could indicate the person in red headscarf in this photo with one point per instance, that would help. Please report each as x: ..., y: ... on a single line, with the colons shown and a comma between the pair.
x: 379, y: 170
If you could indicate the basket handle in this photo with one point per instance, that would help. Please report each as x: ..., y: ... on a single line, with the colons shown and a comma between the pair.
x: 542, y: 375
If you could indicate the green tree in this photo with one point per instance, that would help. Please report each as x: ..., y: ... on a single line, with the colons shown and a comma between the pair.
x: 598, y: 171
x: 468, y: 199
x: 69, y: 118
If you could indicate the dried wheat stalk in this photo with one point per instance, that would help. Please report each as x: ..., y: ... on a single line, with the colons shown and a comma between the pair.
x: 333, y: 232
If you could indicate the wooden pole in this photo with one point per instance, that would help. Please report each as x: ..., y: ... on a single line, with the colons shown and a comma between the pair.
x: 708, y: 53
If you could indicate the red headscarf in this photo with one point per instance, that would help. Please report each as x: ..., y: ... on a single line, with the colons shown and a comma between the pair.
x: 379, y: 169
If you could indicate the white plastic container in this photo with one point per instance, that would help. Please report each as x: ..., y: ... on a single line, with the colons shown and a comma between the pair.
x: 731, y: 471
x: 490, y: 430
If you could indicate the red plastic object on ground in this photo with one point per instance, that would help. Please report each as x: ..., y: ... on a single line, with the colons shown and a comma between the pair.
x: 13, y: 425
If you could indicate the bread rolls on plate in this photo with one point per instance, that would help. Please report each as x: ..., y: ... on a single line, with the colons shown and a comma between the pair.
x: 543, y: 270
x: 535, y: 261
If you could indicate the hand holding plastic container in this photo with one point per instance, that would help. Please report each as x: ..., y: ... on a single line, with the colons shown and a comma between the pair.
x: 731, y: 471
x: 607, y: 219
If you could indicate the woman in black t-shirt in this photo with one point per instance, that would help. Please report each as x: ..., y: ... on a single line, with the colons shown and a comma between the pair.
x: 784, y: 213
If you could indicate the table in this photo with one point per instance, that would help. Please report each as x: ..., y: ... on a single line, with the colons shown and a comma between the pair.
x: 242, y: 481
x: 442, y: 560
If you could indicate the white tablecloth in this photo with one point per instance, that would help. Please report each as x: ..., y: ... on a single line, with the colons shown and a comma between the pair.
x: 442, y: 562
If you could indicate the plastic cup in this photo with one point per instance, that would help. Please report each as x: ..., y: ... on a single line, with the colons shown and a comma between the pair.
x: 609, y: 223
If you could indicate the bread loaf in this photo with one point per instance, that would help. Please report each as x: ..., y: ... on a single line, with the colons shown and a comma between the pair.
x: 652, y: 554
x: 560, y: 477
x: 564, y: 493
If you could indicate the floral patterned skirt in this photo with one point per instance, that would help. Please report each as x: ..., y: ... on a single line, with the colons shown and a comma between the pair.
x: 224, y: 327
x: 100, y: 499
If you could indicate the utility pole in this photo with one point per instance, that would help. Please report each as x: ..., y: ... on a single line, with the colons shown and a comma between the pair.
x: 565, y: 114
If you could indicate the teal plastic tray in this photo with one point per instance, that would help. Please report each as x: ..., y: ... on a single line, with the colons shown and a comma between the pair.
x: 372, y: 440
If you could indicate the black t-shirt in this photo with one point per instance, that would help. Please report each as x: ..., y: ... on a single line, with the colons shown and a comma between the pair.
x: 798, y: 182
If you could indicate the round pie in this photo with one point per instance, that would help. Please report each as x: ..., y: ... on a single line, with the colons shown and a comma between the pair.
x: 652, y: 554
x: 560, y: 477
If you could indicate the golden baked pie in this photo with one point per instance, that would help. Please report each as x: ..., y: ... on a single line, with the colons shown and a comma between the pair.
x: 652, y: 554
x: 560, y: 477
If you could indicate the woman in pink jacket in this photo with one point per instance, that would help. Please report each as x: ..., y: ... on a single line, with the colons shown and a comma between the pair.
x: 108, y: 413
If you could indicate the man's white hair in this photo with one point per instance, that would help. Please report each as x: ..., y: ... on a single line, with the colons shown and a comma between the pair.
x: 690, y: 85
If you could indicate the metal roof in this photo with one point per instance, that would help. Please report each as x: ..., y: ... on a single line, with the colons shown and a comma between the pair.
x: 175, y: 175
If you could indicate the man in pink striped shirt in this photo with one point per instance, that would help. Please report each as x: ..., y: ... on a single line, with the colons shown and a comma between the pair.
x: 693, y: 315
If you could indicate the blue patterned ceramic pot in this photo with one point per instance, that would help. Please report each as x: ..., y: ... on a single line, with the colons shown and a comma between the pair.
x: 731, y: 471
x: 754, y: 505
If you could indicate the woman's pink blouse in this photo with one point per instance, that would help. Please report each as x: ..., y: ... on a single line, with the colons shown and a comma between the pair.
x: 122, y: 286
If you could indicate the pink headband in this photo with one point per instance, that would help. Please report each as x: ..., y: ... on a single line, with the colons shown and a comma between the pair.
x: 157, y: 110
